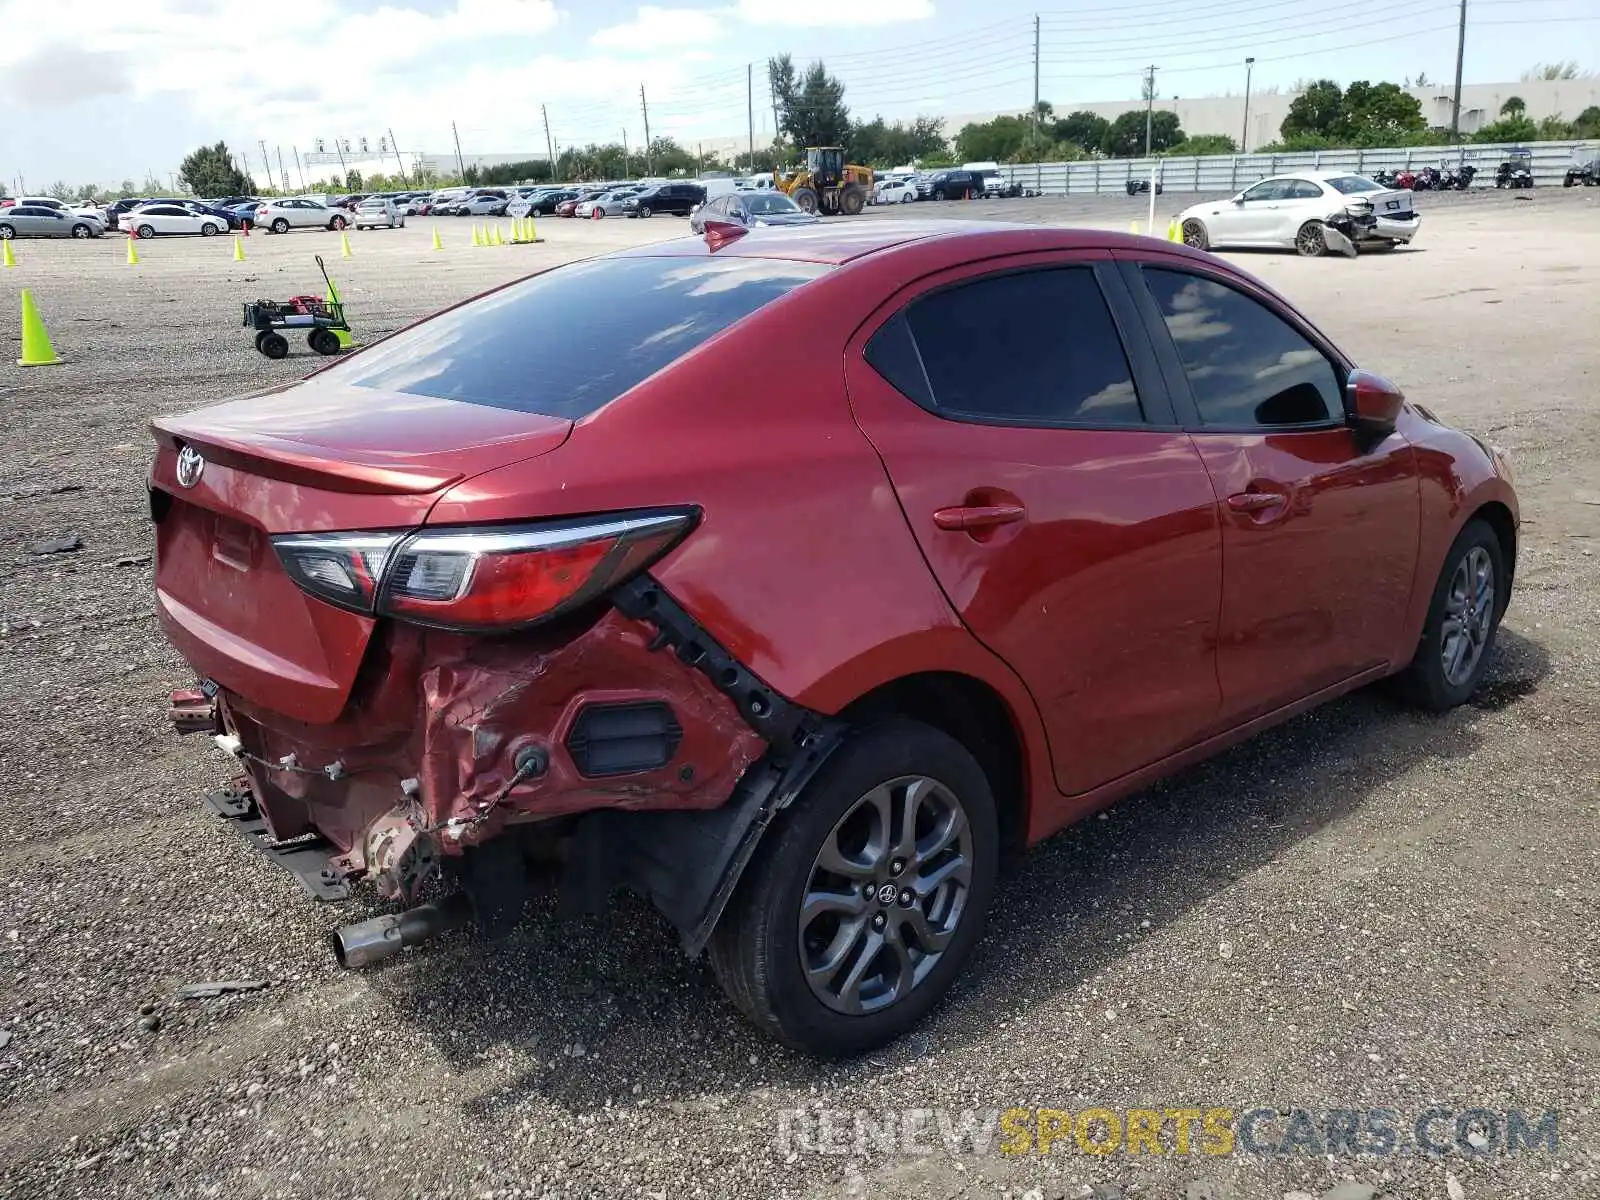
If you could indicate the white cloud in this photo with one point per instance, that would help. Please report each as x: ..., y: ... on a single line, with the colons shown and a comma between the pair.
x: 814, y: 14
x: 655, y: 29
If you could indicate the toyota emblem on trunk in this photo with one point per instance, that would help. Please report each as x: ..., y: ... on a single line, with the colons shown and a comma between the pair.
x: 190, y: 464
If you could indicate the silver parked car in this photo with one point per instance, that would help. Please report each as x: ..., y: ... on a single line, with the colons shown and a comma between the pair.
x: 379, y: 212
x: 32, y: 220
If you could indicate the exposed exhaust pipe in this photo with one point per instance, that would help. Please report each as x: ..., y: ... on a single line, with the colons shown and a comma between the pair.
x: 372, y: 941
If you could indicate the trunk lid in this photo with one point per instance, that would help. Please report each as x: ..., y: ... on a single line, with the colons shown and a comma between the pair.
x: 310, y: 457
x: 1393, y: 203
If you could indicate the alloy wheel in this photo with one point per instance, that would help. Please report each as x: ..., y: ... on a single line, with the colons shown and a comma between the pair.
x: 1468, y: 616
x: 885, y: 895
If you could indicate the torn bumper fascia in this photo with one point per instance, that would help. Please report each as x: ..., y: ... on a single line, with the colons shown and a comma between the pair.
x: 425, y: 758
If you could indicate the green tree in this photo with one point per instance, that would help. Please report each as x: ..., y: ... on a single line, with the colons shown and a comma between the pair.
x: 1555, y: 70
x: 1588, y: 123
x: 1082, y: 128
x: 765, y: 158
x: 210, y: 171
x: 1204, y: 143
x: 1514, y: 106
x: 1509, y: 129
x: 811, y: 112
x: 60, y: 189
x: 1378, y: 114
x: 668, y: 158
x: 352, y: 181
x: 1318, y: 110
x: 998, y: 140
x: 1125, y: 137
x: 879, y: 144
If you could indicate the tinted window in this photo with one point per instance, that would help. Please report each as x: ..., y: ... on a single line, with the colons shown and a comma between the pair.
x: 1246, y: 365
x: 1353, y: 185
x: 1303, y: 189
x: 773, y: 202
x: 568, y: 341
x: 1034, y: 347
x: 1271, y: 189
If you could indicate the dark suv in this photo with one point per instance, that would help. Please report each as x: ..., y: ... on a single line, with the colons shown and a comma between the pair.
x: 1585, y: 174
x: 676, y: 198
x: 950, y: 185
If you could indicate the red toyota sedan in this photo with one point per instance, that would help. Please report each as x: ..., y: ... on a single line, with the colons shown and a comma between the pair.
x: 795, y: 578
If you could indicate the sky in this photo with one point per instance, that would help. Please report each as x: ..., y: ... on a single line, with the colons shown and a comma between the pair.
x: 100, y: 91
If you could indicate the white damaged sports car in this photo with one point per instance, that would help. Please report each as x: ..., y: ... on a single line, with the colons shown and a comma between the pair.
x: 1293, y: 211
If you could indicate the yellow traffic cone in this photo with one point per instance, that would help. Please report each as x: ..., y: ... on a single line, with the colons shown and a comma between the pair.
x: 516, y: 230
x: 36, y: 348
x: 1133, y: 227
x: 498, y: 241
x: 438, y: 244
x: 344, y: 245
x: 476, y: 240
x: 9, y: 259
x: 533, y: 229
x: 238, y: 249
x: 133, y: 253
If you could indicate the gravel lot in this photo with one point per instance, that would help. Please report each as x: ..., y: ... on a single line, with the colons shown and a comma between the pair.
x: 1367, y: 908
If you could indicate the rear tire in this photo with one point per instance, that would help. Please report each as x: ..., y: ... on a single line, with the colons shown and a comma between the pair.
x: 852, y: 200
x: 280, y: 226
x: 806, y: 198
x: 1309, y: 242
x: 273, y: 345
x: 903, y: 952
x: 323, y: 341
x: 1463, y: 618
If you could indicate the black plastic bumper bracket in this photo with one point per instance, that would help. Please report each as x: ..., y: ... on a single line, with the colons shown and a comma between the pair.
x: 309, y: 860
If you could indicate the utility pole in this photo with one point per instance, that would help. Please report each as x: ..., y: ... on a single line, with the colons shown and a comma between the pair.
x: 264, y: 162
x: 750, y: 103
x: 1149, y: 105
x: 398, y: 161
x: 645, y: 105
x: 461, y: 167
x: 282, y: 171
x: 549, y: 143
x: 773, y: 90
x: 1036, y: 83
x: 1244, y: 136
x: 1461, y: 53
x: 300, y: 168
x: 343, y: 170
x: 624, y: 152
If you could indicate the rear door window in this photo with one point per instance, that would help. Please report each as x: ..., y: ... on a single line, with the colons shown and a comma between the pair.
x: 1034, y: 347
x: 568, y: 341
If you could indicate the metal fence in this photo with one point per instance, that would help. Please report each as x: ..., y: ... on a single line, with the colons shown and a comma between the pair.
x: 1230, y: 172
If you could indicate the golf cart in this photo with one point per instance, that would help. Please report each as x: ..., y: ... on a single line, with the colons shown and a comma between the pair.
x: 1517, y: 169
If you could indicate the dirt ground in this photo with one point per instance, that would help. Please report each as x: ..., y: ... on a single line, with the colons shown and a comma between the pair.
x: 1366, y: 909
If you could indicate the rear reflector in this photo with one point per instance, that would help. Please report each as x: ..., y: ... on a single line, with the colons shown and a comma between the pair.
x: 483, y: 578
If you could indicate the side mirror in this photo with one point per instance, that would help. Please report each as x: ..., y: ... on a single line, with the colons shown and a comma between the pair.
x: 1372, y: 404
x: 1239, y: 199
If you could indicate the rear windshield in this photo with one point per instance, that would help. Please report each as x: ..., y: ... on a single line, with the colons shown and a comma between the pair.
x: 1353, y: 185
x: 568, y: 341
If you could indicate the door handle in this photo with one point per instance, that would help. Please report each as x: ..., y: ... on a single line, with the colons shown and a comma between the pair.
x: 978, y: 516
x: 1255, y: 502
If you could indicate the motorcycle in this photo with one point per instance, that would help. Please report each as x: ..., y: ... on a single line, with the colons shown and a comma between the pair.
x: 1427, y: 180
x: 1386, y: 178
x: 1458, y: 179
x: 1404, y: 179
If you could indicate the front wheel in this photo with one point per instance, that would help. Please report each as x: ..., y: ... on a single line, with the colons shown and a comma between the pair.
x: 866, y: 897
x: 644, y: 210
x: 852, y: 199
x: 7, y: 232
x: 906, y: 197
x: 1463, y: 618
x: 81, y: 231
x: 806, y: 199
x: 337, y: 224
x: 323, y: 341
x: 1194, y: 234
x: 1309, y: 242
x: 273, y: 345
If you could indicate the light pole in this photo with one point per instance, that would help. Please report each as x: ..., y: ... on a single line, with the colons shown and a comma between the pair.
x: 1149, y: 105
x: 1244, y: 137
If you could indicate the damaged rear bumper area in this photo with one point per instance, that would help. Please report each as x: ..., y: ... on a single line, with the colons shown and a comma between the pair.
x: 631, y: 744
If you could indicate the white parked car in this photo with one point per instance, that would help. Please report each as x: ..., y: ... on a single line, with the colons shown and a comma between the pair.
x: 379, y: 212
x: 895, y: 191
x: 280, y: 216
x: 1289, y: 211
x: 154, y: 220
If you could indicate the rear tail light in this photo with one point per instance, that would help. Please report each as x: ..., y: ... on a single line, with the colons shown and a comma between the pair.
x: 485, y: 578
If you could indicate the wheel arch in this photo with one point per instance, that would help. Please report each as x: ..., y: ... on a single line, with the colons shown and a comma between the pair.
x: 1498, y: 516
x: 975, y: 714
